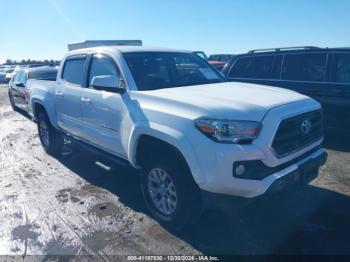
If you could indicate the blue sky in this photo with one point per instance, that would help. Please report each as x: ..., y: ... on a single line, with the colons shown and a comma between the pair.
x: 42, y: 28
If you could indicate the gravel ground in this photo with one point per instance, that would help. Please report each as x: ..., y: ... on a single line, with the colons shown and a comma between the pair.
x: 69, y: 206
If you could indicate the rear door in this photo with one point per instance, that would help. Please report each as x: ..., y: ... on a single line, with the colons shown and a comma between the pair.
x: 103, y: 109
x: 68, y: 94
x: 339, y: 91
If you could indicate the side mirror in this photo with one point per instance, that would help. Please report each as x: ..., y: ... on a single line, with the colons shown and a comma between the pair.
x: 107, y: 83
x: 19, y: 84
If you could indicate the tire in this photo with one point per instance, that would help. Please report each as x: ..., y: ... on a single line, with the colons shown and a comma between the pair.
x: 188, y: 207
x: 12, y: 102
x: 50, y: 138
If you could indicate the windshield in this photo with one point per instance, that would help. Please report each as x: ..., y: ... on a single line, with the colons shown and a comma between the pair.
x: 157, y: 70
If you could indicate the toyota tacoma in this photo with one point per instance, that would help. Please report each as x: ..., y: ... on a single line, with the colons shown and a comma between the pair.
x: 170, y: 115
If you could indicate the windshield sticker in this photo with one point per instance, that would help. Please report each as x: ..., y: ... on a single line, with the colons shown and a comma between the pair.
x: 208, y: 73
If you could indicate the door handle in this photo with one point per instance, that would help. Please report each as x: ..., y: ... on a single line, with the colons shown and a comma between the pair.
x: 85, y: 99
x: 59, y: 94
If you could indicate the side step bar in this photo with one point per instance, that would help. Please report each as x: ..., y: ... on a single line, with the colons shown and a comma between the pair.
x: 103, y: 166
x: 107, y: 161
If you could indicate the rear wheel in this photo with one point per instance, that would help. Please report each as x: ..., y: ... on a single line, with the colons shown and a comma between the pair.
x: 50, y: 138
x: 170, y: 193
x: 12, y: 102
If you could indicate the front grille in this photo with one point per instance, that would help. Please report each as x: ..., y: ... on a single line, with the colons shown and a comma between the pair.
x: 290, y: 137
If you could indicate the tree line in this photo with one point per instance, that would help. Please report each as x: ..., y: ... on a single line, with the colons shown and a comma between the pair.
x: 32, y: 62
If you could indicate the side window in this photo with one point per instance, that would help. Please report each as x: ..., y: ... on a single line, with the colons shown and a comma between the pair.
x: 73, y: 71
x: 17, y: 77
x: 101, y: 65
x: 277, y: 66
x: 305, y: 67
x: 23, y: 77
x: 342, y: 68
x: 258, y: 67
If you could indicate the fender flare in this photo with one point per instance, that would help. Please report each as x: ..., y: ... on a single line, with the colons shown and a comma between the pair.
x: 48, y: 108
x: 167, y: 135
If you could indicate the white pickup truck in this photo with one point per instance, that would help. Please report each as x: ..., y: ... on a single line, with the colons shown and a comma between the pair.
x: 171, y: 115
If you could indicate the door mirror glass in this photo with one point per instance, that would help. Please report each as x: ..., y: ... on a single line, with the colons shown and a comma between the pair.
x: 106, y: 83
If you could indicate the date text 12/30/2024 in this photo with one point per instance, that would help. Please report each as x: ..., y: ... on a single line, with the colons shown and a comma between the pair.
x: 172, y: 258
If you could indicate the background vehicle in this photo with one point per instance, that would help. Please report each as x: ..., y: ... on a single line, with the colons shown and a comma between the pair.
x: 19, y: 86
x: 2, y: 75
x: 201, y: 54
x: 219, y: 61
x: 10, y: 72
x: 173, y: 116
x: 321, y: 73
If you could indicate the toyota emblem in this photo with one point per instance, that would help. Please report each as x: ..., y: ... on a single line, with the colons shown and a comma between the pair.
x: 305, y: 126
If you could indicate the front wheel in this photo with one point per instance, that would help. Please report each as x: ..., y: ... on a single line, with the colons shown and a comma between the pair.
x: 170, y: 193
x: 50, y: 138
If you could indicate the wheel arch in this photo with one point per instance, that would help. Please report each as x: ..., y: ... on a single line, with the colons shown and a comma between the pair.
x: 37, y: 107
x: 161, y: 137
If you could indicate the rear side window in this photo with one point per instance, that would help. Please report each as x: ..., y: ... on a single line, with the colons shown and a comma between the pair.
x: 258, y: 67
x: 342, y: 74
x: 276, y: 69
x: 73, y: 71
x: 305, y: 67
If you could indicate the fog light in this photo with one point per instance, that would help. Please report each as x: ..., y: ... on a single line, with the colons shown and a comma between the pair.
x: 240, y: 170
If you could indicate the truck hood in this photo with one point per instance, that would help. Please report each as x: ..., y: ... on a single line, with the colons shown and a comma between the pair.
x: 230, y: 100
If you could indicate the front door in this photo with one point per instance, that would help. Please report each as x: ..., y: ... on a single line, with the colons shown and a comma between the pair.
x: 103, y: 110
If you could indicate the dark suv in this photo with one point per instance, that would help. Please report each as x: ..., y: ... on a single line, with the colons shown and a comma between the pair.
x: 321, y: 73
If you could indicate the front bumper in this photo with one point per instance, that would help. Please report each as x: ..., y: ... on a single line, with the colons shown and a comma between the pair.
x: 300, y: 173
x: 303, y: 170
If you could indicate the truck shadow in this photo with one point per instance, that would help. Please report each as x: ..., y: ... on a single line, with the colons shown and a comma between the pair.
x: 307, y: 220
x: 337, y: 140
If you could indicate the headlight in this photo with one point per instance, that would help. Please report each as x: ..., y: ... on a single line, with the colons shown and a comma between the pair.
x: 229, y: 131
